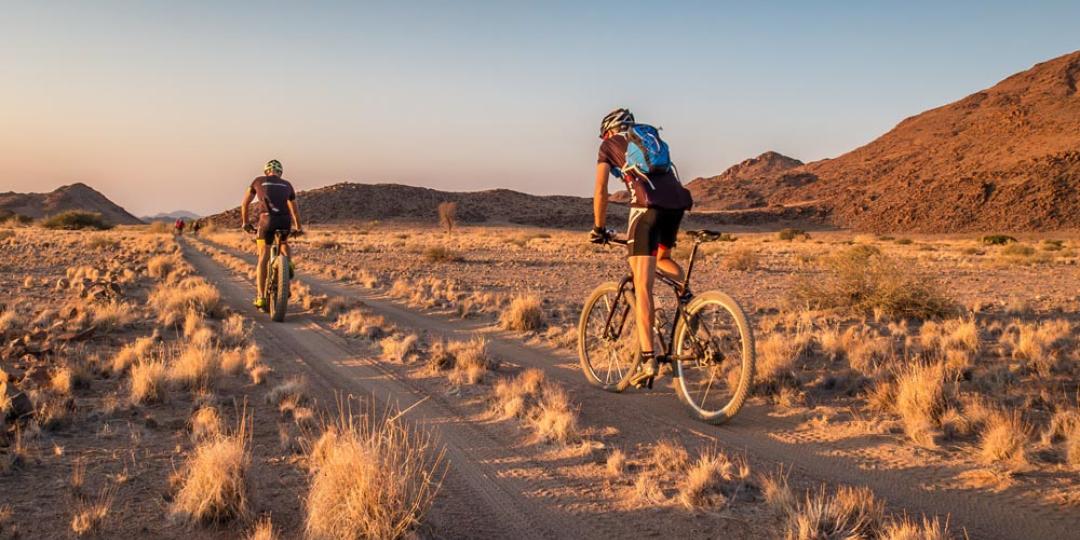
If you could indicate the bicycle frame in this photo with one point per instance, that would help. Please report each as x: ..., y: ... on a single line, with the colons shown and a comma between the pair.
x: 682, y: 299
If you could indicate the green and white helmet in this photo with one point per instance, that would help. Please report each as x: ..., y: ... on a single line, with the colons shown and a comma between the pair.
x: 272, y: 168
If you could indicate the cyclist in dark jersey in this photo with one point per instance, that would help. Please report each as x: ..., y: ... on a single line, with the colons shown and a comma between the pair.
x: 277, y: 211
x: 652, y: 229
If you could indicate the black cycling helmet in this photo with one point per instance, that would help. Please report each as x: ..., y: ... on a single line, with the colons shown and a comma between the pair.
x: 615, y: 120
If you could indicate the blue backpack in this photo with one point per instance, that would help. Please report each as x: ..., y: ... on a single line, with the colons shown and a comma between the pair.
x: 646, y: 152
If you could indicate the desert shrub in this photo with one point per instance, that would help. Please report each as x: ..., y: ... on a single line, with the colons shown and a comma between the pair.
x: 75, y: 220
x: 172, y: 302
x: 791, y: 234
x: 848, y: 513
x: 471, y: 361
x: 1017, y: 250
x: 371, y: 478
x: 997, y: 239
x: 195, y: 368
x: 214, y: 480
x: 159, y: 227
x: 102, y: 242
x: 1005, y: 439
x: 402, y: 348
x: 515, y: 397
x: 744, y: 259
x: 448, y: 215
x: 712, y: 480
x: 89, y: 517
x: 111, y: 315
x: 862, y: 280
x: 553, y: 419
x: 295, y: 389
x: 205, y: 424
x: 920, y: 399
x: 441, y: 254
x: 903, y: 241
x: 16, y: 220
x: 131, y: 353
x: 1053, y: 245
x: 525, y: 314
x: 160, y: 266
x: 615, y: 463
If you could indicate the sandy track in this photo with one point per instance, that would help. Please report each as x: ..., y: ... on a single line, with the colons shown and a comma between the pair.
x: 768, y: 442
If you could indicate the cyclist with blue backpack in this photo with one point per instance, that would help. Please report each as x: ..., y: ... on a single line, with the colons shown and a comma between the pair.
x: 635, y: 154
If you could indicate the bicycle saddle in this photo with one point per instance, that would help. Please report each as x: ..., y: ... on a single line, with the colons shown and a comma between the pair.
x: 705, y: 235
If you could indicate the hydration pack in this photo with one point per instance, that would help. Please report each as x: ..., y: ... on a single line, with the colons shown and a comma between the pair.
x: 649, y: 173
x: 646, y: 152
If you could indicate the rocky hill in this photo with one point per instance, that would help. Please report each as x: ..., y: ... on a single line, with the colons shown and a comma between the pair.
x: 351, y: 202
x: 1005, y: 158
x: 76, y: 196
x: 171, y: 216
x: 744, y: 185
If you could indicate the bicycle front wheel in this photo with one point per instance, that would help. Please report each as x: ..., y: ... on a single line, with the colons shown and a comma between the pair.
x: 714, y: 357
x: 279, y: 292
x: 607, y: 338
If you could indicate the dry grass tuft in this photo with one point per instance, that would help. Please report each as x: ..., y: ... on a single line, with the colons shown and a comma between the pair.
x: 920, y: 399
x: 110, y: 315
x: 1005, y: 439
x: 1044, y: 345
x: 370, y: 479
x: 148, y: 379
x: 205, y: 424
x: 553, y: 419
x: 513, y: 397
x: 196, y: 368
x: 294, y: 388
x: 712, y: 480
x: 213, y: 485
x: 358, y: 322
x: 400, y: 348
x: 263, y: 530
x: 616, y: 463
x: 525, y: 314
x: 131, y: 353
x: 234, y: 332
x: 742, y: 259
x: 849, y: 513
x: 471, y: 360
x: 160, y: 266
x: 907, y: 529
x: 669, y: 455
x: 777, y: 493
x: 172, y: 302
x: 90, y: 516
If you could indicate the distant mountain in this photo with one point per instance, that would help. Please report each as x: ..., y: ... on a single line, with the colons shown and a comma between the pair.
x: 1005, y: 158
x: 76, y: 196
x: 744, y: 185
x: 171, y: 216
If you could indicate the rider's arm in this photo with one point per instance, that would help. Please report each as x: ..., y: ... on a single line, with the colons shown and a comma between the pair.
x: 600, y: 195
x: 295, y: 214
x: 248, y: 195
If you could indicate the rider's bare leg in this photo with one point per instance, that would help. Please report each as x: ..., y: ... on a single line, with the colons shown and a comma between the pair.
x: 666, y: 265
x: 644, y: 270
x: 260, y: 268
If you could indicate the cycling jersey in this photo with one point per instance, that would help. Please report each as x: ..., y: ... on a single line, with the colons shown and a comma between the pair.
x: 273, y: 194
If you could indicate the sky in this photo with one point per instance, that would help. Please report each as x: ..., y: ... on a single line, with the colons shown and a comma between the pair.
x: 177, y: 105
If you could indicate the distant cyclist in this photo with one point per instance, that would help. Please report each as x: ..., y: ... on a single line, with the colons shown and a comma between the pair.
x: 275, y: 195
x: 635, y: 154
x: 179, y: 226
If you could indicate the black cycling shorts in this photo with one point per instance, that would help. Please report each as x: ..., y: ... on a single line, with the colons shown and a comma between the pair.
x: 651, y: 228
x: 269, y: 223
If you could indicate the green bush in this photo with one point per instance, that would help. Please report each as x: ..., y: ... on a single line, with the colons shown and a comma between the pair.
x: 791, y: 234
x: 997, y: 239
x: 75, y: 220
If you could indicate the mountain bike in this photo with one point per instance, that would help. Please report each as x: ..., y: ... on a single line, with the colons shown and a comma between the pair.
x: 709, y: 346
x: 276, y: 299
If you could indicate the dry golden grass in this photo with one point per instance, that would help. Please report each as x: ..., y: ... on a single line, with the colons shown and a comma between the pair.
x: 777, y: 493
x: 778, y: 356
x: 848, y: 513
x: 712, y: 480
x: 231, y: 361
x: 616, y: 463
x: 213, y: 482
x: 172, y: 302
x: 161, y: 266
x: 205, y: 424
x: 920, y: 399
x: 553, y: 419
x: 471, y: 361
x: 907, y: 529
x: 131, y: 353
x: 196, y: 368
x: 234, y: 331
x: 370, y: 479
x: 400, y: 348
x: 513, y: 397
x: 861, y: 280
x: 1005, y: 439
x: 525, y: 314
x: 148, y: 379
x: 669, y: 456
x: 90, y: 516
x: 1043, y: 344
x: 61, y: 382
x: 294, y: 388
x: 360, y: 323
x: 263, y: 530
x: 110, y: 315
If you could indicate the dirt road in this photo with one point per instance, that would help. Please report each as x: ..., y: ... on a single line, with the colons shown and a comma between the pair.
x: 484, y: 497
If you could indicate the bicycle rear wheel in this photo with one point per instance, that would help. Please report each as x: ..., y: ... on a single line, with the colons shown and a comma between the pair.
x: 607, y: 338
x: 279, y: 291
x: 714, y: 357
